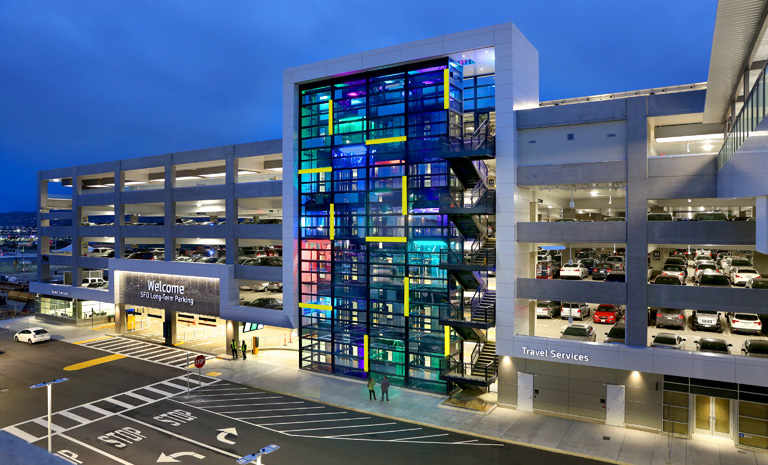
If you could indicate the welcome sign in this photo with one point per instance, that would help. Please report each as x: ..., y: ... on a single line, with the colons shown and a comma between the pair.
x: 169, y: 292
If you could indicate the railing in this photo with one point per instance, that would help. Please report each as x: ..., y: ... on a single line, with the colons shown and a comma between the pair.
x: 449, y: 366
x: 193, y: 334
x: 754, y: 109
x: 138, y: 325
x: 256, y: 177
x: 452, y: 312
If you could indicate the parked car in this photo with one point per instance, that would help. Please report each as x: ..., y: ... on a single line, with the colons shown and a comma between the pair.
x: 745, y: 323
x: 95, y: 283
x: 731, y: 262
x: 613, y: 218
x: 616, y: 277
x: 574, y: 270
x: 676, y: 260
x: 271, y: 221
x: 607, y: 313
x: 712, y: 278
x: 668, y: 341
x: 660, y: 217
x: 717, y: 346
x: 266, y: 302
x: 578, y: 310
x: 146, y: 256
x: 702, y: 266
x: 106, y: 254
x: 566, y: 220
x: 669, y: 280
x: 547, y: 308
x: 616, y: 335
x: 706, y: 319
x: 590, y: 263
x: 617, y: 261
x: 709, y: 216
x: 32, y: 335
x: 755, y: 348
x: 601, y: 270
x: 275, y: 287
x: 740, y: 275
x: 579, y: 333
x: 757, y: 283
x: 670, y: 317
x: 674, y: 270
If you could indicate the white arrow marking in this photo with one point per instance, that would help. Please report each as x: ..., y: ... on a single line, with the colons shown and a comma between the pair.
x: 223, y: 435
x: 172, y: 457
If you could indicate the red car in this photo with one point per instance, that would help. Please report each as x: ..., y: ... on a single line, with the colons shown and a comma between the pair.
x: 606, y: 313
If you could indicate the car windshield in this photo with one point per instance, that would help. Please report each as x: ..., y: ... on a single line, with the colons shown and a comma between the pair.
x: 542, y: 304
x: 758, y: 347
x: 673, y: 268
x: 714, y: 280
x: 746, y: 270
x: 707, y: 266
x: 670, y: 311
x: 659, y: 217
x: 571, y: 305
x: 745, y: 317
x: 41, y: 331
x: 615, y: 259
x: 603, y: 266
x: 675, y: 261
x: 605, y: 308
x: 667, y: 280
x: 740, y: 262
x: 761, y: 284
x: 617, y: 332
x: 668, y: 340
x: 570, y: 266
x: 714, y: 344
x: 711, y: 217
x: 575, y: 331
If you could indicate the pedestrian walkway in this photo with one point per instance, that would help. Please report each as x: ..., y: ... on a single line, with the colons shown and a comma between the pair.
x: 155, y: 353
x: 567, y: 435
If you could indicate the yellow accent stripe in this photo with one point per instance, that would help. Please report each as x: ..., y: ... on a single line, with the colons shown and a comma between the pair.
x: 330, y: 117
x: 405, y: 195
x: 111, y: 325
x: 333, y: 226
x: 327, y: 169
x: 213, y: 373
x: 385, y: 239
x: 407, y: 292
x: 94, y: 362
x: 316, y: 306
x: 365, y: 353
x: 446, y: 89
x: 447, y: 341
x: 91, y: 340
x: 386, y: 140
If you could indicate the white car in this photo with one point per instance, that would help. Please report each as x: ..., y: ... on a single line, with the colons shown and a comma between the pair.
x: 32, y: 335
x: 745, y: 323
x: 576, y: 270
x: 578, y: 310
x: 740, y: 275
x: 731, y: 262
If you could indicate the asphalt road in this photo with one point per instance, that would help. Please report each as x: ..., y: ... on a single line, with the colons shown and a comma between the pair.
x: 132, y: 411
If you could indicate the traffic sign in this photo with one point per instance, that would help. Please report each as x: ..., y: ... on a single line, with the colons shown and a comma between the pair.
x: 199, y: 361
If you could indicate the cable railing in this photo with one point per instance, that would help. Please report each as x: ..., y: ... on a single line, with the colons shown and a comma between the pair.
x: 449, y: 366
x: 754, y: 110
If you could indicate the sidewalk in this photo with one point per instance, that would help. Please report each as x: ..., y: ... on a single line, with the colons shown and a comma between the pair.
x: 575, y: 437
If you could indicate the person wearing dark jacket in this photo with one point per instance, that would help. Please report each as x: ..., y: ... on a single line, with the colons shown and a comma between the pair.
x: 244, y: 347
x: 234, y: 349
x: 385, y: 388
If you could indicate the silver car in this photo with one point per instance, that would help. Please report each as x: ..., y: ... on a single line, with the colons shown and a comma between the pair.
x: 579, y: 333
x: 579, y: 310
x: 668, y: 341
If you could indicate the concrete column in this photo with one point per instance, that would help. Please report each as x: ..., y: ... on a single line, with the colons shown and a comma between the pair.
x: 170, y: 317
x: 76, y: 251
x: 231, y: 209
x: 169, y: 211
x: 233, y: 332
x: 761, y: 224
x: 637, y: 223
x: 121, y: 319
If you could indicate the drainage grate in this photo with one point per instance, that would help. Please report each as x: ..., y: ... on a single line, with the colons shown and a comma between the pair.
x: 606, y: 438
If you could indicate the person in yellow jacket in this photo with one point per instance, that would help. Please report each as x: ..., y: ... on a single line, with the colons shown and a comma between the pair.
x: 244, y: 347
x: 371, y: 386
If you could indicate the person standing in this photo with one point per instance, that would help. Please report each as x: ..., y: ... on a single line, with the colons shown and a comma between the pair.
x: 234, y: 349
x: 371, y: 386
x: 244, y: 347
x: 385, y: 388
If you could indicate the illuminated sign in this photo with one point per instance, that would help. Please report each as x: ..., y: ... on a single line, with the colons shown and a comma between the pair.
x: 552, y: 353
x: 58, y: 292
x: 169, y: 292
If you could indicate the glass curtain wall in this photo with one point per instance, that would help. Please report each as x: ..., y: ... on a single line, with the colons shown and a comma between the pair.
x: 370, y: 180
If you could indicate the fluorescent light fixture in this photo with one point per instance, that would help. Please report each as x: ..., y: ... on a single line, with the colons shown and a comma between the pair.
x: 593, y: 193
x: 701, y: 209
x: 134, y: 183
x: 707, y: 146
x: 689, y: 200
x: 213, y: 175
x: 199, y: 204
x: 691, y: 138
x: 610, y: 199
x: 187, y: 178
x: 275, y: 169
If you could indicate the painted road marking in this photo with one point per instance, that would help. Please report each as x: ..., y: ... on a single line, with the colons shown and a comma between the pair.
x: 43, y: 421
x: 94, y: 362
x: 343, y: 436
x: 21, y: 434
x: 230, y: 400
x: 73, y: 417
x: 92, y: 340
x: 95, y: 449
x: 296, y: 415
x: 138, y: 396
x: 315, y: 421
x: 337, y: 427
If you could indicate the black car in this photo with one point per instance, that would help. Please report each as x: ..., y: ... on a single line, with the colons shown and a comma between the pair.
x: 616, y: 334
x: 755, y: 348
x: 266, y: 302
x: 146, y: 256
x: 601, y: 270
x: 616, y: 277
x: 590, y: 263
x: 713, y: 279
x: 717, y: 346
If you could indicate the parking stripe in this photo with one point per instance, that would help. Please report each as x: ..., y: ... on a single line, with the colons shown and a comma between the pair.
x: 338, y: 427
x: 230, y: 400
x: 296, y: 415
x: 421, y: 437
x: 342, y: 436
x: 315, y: 421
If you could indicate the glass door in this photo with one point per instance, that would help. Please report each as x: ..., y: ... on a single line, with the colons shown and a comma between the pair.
x: 713, y: 416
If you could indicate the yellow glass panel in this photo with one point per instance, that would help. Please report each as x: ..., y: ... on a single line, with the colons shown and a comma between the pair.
x: 703, y: 412
x: 722, y: 415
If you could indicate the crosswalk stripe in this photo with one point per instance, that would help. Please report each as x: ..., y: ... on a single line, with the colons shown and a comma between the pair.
x: 117, y: 402
x: 21, y: 434
x: 99, y: 410
x: 138, y: 396
x: 44, y: 422
x: 73, y: 417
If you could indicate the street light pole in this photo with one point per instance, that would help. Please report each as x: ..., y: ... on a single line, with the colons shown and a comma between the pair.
x: 48, y: 384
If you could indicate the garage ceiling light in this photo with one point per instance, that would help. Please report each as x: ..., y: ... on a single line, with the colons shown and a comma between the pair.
x: 690, y: 138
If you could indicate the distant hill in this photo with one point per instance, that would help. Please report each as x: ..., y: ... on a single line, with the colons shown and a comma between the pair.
x: 23, y: 219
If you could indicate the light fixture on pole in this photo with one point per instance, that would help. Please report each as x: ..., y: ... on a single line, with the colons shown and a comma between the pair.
x: 49, y: 384
x: 257, y: 455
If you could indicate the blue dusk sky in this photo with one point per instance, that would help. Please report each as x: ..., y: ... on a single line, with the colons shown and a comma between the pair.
x: 87, y: 81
